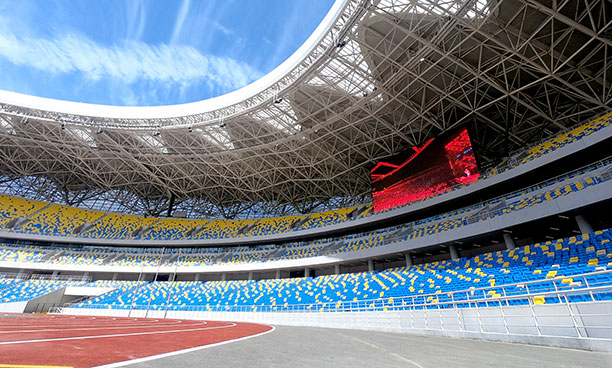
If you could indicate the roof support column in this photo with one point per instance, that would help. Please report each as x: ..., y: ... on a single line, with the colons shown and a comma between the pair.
x: 584, y: 226
x: 409, y: 262
x: 510, y: 244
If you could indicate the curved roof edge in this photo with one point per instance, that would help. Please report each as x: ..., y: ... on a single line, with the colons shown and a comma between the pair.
x: 192, y: 108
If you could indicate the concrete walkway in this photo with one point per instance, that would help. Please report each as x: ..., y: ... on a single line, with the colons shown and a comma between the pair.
x: 320, y: 347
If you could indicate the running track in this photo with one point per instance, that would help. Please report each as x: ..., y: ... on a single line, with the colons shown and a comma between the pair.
x: 81, y: 341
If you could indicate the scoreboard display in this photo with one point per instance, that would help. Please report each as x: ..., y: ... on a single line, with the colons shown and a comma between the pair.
x: 425, y: 171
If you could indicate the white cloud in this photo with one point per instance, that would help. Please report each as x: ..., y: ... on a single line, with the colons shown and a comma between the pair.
x: 128, y: 62
x: 137, y: 18
x: 180, y: 21
x: 221, y: 28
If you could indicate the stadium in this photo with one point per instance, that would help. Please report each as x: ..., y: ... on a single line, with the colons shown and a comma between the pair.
x: 423, y: 183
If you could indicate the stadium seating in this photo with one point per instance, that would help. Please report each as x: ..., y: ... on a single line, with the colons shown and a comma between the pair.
x: 246, y: 257
x: 7, y: 281
x: 552, y: 145
x: 171, y: 229
x: 136, y: 260
x: 14, y: 208
x: 30, y: 289
x: 117, y: 226
x: 93, y: 257
x: 195, y: 260
x: 513, y: 202
x: 273, y: 225
x: 115, y: 296
x: 327, y: 218
x: 216, y: 229
x: 59, y: 220
x: 484, y: 276
x: 22, y: 254
x: 569, y: 137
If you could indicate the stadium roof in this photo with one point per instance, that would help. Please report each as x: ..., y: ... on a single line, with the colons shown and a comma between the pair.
x: 375, y: 78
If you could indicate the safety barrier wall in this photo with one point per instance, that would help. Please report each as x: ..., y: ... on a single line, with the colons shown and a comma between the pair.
x: 573, y: 325
x: 584, y: 325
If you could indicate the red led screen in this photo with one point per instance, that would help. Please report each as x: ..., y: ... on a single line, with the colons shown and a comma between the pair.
x: 433, y: 168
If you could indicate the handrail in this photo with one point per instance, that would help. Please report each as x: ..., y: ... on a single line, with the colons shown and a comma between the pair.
x: 14, y: 275
x: 60, y: 278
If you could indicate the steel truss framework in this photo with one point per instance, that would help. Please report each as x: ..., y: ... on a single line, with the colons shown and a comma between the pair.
x: 386, y: 76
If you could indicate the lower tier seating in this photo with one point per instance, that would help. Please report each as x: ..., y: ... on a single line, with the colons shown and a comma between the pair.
x: 486, y: 277
x: 29, y: 289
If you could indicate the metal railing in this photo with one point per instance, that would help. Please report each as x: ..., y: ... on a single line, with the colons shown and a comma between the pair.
x: 60, y: 278
x: 14, y: 275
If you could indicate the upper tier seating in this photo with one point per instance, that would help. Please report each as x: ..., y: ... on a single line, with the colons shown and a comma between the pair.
x: 569, y: 137
x: 59, y: 220
x: 426, y: 284
x: 554, y: 144
x: 171, y: 229
x: 117, y: 226
x: 327, y: 218
x: 13, y: 208
x: 273, y: 225
x: 216, y: 229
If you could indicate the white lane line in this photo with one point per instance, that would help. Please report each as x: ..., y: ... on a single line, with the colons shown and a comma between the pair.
x: 114, y: 335
x: 178, y: 352
x: 122, y: 323
x: 95, y: 328
x: 76, y: 326
x: 386, y: 351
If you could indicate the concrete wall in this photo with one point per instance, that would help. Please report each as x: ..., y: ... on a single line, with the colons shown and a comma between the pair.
x: 15, y: 307
x: 576, y: 325
x: 45, y: 302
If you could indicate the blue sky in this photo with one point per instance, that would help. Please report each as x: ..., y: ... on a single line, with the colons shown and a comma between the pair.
x: 157, y: 52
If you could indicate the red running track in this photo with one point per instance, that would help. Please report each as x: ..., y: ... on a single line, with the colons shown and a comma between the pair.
x: 84, y: 341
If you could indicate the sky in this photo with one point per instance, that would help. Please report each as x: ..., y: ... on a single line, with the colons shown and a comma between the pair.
x: 145, y: 53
